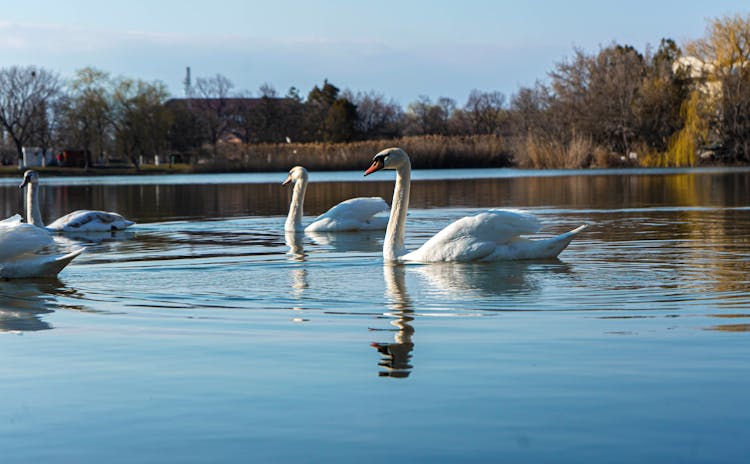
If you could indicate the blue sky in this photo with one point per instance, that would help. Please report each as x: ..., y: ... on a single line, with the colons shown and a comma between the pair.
x: 401, y: 49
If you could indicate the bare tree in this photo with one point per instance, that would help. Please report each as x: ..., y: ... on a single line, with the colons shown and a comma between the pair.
x: 726, y: 48
x: 26, y: 93
x: 424, y: 117
x: 259, y: 120
x: 140, y: 119
x: 267, y: 90
x: 376, y: 117
x: 447, y: 111
x: 485, y: 111
x: 45, y: 128
x: 528, y: 109
x: 660, y: 97
x: 596, y: 95
x: 213, y: 106
x: 725, y: 54
x: 87, y: 112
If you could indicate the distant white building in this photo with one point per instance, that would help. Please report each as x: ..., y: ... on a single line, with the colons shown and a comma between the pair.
x: 701, y: 72
x: 694, y: 67
x: 35, y: 157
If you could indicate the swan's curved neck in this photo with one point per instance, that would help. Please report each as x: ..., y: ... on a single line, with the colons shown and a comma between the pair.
x: 33, y: 215
x: 393, y: 246
x: 294, y: 219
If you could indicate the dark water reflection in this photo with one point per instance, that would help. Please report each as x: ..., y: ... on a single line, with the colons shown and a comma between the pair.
x: 163, y: 202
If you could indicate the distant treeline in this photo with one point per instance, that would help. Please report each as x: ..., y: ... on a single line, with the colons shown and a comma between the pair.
x: 670, y: 106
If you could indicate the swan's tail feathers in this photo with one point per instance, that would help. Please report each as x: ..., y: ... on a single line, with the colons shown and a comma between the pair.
x: 124, y: 224
x: 58, y: 264
x: 37, y: 266
x: 552, y: 247
x: 71, y: 256
x: 576, y: 231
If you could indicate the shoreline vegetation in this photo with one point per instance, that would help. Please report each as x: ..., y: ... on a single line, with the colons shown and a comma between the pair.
x: 426, y: 152
x: 672, y: 106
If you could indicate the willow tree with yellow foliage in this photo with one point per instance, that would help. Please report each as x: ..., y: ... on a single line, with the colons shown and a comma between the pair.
x: 718, y: 113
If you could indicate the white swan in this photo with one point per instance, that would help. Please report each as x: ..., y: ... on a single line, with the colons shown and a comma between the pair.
x: 24, y: 251
x: 490, y: 236
x: 350, y: 215
x: 78, y: 221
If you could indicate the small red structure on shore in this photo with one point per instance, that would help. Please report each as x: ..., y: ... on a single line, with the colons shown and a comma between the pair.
x: 72, y: 158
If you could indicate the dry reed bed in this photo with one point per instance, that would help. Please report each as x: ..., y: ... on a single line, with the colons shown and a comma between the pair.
x: 427, y: 152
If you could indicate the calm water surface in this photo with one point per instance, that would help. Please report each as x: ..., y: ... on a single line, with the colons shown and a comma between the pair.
x: 206, y: 334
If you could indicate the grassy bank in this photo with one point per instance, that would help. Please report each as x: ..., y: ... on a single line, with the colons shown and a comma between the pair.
x: 426, y: 152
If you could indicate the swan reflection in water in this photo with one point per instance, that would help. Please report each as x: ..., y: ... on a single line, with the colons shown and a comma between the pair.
x: 509, y: 278
x: 23, y: 302
x: 296, y: 254
x: 395, y: 356
x: 451, y: 280
x: 296, y: 246
x: 363, y: 241
x: 95, y: 238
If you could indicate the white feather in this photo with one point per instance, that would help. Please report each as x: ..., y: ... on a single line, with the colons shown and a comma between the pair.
x: 350, y: 215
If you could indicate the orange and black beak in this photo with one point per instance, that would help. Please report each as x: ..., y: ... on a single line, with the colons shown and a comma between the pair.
x: 377, y: 165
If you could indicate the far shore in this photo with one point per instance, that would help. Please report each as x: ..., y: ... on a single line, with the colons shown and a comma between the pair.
x: 426, y: 152
x: 15, y: 171
x: 58, y: 171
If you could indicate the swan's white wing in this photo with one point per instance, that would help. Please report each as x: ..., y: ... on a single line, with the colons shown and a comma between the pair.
x: 22, y: 251
x: 525, y: 248
x: 475, y: 237
x: 90, y: 221
x: 11, y: 221
x: 358, y: 209
x: 352, y: 214
x: 19, y: 239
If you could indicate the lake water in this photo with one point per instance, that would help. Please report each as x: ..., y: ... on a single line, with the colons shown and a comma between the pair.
x: 205, y: 334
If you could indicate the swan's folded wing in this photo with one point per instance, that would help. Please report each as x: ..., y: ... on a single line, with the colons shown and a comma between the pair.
x: 352, y: 214
x: 22, y: 238
x: 474, y: 237
x: 11, y: 221
x: 356, y: 209
x: 90, y: 221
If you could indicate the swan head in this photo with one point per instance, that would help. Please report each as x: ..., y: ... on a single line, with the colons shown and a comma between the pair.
x: 296, y: 174
x: 390, y: 158
x: 29, y: 177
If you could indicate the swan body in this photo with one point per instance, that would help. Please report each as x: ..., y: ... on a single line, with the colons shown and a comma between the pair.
x: 494, y: 235
x: 85, y: 220
x: 349, y: 215
x: 77, y: 221
x: 23, y: 251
